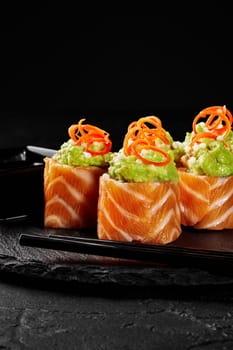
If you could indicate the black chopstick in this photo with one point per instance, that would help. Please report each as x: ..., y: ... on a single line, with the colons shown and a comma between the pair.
x: 124, y: 250
x: 142, y: 246
x: 84, y: 246
x: 14, y: 219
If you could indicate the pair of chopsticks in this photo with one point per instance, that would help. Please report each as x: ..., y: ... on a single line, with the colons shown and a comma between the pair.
x: 124, y: 250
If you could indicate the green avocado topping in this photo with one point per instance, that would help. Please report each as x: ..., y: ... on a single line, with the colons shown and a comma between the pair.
x: 213, y: 157
x: 131, y: 169
x: 71, y: 154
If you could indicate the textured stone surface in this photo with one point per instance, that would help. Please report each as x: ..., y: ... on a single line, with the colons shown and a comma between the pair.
x: 60, y: 300
x: 49, y: 317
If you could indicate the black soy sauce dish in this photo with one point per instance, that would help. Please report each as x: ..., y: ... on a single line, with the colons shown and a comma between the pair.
x: 21, y: 182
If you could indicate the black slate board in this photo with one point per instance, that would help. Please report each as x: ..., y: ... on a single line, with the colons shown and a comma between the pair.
x: 64, y: 266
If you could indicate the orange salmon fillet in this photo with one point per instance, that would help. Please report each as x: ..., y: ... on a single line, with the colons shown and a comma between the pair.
x: 194, y: 197
x: 206, y: 201
x: 70, y: 195
x: 141, y: 212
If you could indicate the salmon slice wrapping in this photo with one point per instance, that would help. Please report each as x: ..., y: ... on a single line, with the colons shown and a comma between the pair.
x: 141, y: 212
x: 70, y: 195
x: 206, y: 202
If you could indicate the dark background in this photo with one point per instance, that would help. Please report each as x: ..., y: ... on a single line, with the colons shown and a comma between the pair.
x: 59, y: 64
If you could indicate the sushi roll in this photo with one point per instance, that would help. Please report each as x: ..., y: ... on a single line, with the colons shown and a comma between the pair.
x: 205, y: 167
x: 71, y: 178
x: 139, y: 194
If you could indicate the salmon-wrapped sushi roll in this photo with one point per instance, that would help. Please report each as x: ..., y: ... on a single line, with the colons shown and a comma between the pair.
x: 71, y: 178
x: 206, y: 171
x: 206, y: 201
x: 139, y: 195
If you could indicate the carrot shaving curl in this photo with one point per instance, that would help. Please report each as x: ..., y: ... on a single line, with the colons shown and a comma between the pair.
x: 89, y: 134
x: 142, y: 135
x: 218, y: 123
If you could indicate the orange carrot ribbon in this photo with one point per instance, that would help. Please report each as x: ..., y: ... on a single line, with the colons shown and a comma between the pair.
x: 218, y: 123
x: 141, y: 135
x: 89, y: 134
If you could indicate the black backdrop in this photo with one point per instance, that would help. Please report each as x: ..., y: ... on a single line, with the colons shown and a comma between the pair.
x: 59, y: 64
